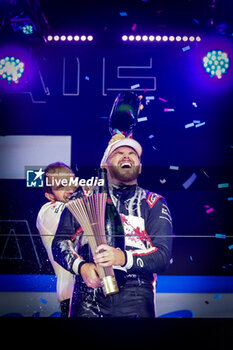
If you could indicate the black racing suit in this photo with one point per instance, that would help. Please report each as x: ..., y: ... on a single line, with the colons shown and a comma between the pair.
x: 148, y: 239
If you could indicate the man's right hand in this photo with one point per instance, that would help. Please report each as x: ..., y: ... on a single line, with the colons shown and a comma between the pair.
x: 90, y: 275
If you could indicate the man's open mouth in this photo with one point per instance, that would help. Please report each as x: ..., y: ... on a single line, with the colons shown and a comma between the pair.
x: 125, y: 165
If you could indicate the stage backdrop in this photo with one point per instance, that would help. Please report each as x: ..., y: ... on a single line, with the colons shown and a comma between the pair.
x: 58, y: 111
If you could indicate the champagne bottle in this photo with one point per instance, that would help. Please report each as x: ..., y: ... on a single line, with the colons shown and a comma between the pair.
x: 124, y: 113
x: 113, y: 225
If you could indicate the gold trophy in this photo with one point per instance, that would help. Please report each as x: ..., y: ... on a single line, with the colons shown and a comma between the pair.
x: 90, y: 213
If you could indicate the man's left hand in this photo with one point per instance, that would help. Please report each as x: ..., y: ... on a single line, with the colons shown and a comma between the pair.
x: 108, y: 256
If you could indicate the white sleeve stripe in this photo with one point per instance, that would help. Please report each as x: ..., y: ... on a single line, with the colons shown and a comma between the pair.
x: 129, y: 263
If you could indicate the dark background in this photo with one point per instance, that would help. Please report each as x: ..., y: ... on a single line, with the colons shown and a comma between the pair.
x: 180, y: 80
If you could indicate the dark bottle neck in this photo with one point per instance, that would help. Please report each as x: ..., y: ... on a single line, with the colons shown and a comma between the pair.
x: 102, y: 174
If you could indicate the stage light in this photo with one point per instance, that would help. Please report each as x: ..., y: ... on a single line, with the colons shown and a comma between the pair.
x: 216, y: 63
x: 23, y: 24
x: 158, y: 38
x: 11, y: 69
x: 69, y: 38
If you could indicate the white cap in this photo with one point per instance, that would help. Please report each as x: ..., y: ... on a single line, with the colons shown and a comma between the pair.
x: 121, y: 143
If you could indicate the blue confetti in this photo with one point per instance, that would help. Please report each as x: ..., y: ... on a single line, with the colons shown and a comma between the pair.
x: 190, y: 180
x: 43, y: 301
x: 122, y: 14
x: 218, y: 296
x: 191, y: 258
x: 223, y: 185
x: 186, y: 48
x: 230, y: 246
x: 218, y: 235
x: 230, y: 198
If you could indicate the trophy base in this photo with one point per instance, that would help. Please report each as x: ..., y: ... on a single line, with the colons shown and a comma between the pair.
x: 109, y: 285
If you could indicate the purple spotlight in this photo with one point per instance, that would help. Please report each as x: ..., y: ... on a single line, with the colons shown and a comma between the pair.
x: 69, y: 37
x: 83, y: 38
x: 90, y: 38
x: 49, y: 38
x: 76, y: 38
x: 178, y: 38
x: 145, y: 38
x: 171, y: 38
x: 131, y: 38
x: 165, y: 38
x: 138, y: 38
x: 63, y: 38
x: 124, y: 38
x: 191, y: 38
x: 158, y: 38
x: 56, y: 37
x: 151, y: 38
x: 185, y: 38
x: 198, y: 38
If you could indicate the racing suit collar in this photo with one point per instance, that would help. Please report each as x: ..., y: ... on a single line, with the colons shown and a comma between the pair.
x: 123, y: 192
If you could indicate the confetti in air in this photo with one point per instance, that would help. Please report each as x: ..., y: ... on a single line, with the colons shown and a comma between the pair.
x: 173, y: 167
x: 190, y: 181
x: 224, y: 185
x: 219, y: 235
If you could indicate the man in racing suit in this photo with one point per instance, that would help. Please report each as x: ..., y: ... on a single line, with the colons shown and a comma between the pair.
x: 147, y: 250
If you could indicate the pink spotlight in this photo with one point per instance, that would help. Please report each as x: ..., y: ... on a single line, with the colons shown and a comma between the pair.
x: 185, y: 38
x: 56, y: 38
x: 158, y: 38
x: 69, y: 37
x: 151, y: 38
x: 124, y: 38
x: 63, y: 38
x: 83, y: 38
x: 165, y: 38
x: 145, y: 38
x: 178, y: 38
x: 198, y: 38
x: 49, y: 38
x: 90, y: 38
x: 171, y: 38
x: 138, y: 37
x: 131, y: 38
x: 76, y: 38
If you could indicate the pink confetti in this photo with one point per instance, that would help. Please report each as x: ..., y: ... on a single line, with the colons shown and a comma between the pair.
x: 134, y: 26
x: 209, y: 210
x: 162, y: 99
x: 168, y: 110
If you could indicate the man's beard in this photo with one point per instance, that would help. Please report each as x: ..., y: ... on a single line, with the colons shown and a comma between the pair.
x: 124, y: 175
